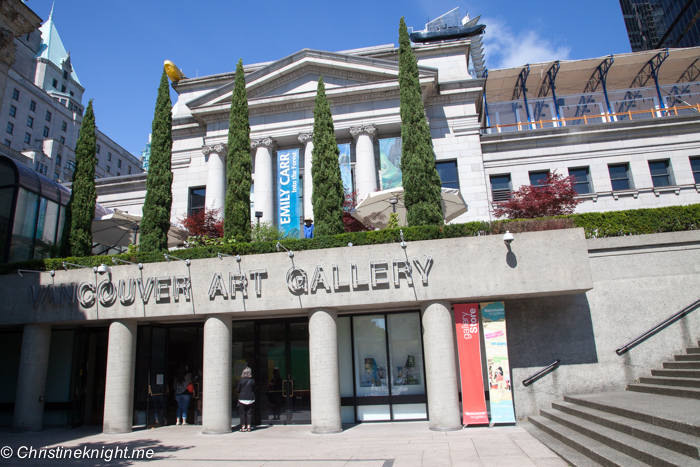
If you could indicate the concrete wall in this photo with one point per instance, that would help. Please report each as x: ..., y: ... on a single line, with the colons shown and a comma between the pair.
x: 637, y: 283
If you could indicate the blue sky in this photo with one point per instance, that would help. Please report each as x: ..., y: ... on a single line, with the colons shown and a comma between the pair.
x: 118, y: 48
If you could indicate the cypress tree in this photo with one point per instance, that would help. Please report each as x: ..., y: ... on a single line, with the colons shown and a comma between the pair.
x: 80, y: 211
x: 421, y: 181
x: 238, y: 163
x: 159, y: 195
x: 328, y: 193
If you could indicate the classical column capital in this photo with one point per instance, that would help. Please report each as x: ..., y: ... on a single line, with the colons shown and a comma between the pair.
x: 215, y: 148
x: 306, y: 137
x: 267, y: 142
x: 370, y: 130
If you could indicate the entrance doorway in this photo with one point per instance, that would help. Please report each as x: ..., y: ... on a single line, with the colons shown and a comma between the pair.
x: 278, y: 354
x: 89, y: 376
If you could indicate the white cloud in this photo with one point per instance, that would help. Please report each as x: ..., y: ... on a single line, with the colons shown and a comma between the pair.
x: 504, y: 48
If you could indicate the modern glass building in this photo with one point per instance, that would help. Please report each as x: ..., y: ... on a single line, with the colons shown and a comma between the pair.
x: 32, y: 212
x: 660, y: 24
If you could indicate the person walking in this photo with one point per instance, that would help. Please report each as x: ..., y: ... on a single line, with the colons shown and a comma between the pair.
x: 246, y: 398
x: 183, y: 394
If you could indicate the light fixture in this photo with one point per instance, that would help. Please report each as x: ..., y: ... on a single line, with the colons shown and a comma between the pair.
x: 104, y: 269
x: 403, y: 244
x: 186, y: 261
x: 508, y: 238
x: 291, y: 253
x: 393, y: 202
x: 114, y: 260
x: 237, y: 257
x: 258, y: 215
x: 20, y: 271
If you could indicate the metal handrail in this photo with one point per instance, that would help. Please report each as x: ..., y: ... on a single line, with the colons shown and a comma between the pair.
x: 665, y: 323
x: 551, y: 367
x: 585, y: 118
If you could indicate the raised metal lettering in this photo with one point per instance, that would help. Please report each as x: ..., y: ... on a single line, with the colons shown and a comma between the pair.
x: 124, y: 298
x: 181, y: 284
x: 217, y: 287
x: 86, y: 294
x: 337, y: 283
x: 297, y: 281
x: 319, y: 278
x: 375, y: 271
x: 256, y: 275
x: 424, y: 269
x: 237, y: 280
x: 404, y: 270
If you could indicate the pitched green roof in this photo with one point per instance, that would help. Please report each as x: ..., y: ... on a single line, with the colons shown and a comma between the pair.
x: 52, y: 48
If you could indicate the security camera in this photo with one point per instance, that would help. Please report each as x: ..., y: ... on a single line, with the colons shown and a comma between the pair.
x: 104, y: 269
x: 508, y: 238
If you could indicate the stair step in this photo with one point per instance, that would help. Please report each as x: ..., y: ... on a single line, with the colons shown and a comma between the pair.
x: 682, y: 365
x: 671, y: 381
x: 569, y: 454
x: 670, y: 412
x: 629, y: 445
x: 599, y: 452
x: 691, y: 357
x: 692, y: 350
x: 676, y: 373
x: 680, y: 442
x: 675, y: 391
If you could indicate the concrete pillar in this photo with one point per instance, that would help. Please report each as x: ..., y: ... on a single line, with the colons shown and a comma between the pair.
x: 216, y: 177
x: 440, y: 367
x: 31, y: 384
x: 365, y: 168
x: 216, y: 390
x: 263, y: 188
x: 323, y: 369
x: 308, y: 140
x: 119, y: 383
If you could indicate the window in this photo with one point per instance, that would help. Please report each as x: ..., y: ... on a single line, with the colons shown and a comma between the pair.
x: 72, y: 94
x: 56, y: 175
x: 448, y: 174
x: 10, y: 127
x: 13, y: 111
x: 8, y: 142
x: 15, y: 95
x: 108, y: 169
x: 62, y: 140
x: 128, y: 168
x: 619, y: 177
x: 70, y: 165
x: 500, y: 187
x: 70, y: 105
x: 63, y: 88
x: 36, y: 166
x: 197, y: 200
x: 660, y: 173
x: 55, y: 83
x: 98, y: 149
x: 64, y: 126
x: 538, y: 178
x: 27, y: 138
x: 695, y: 167
x: 109, y: 156
x: 119, y: 163
x: 65, y: 74
x: 46, y: 132
x: 48, y: 116
x: 32, y: 106
x: 582, y: 180
x: 58, y: 160
x: 118, y: 174
x: 30, y: 122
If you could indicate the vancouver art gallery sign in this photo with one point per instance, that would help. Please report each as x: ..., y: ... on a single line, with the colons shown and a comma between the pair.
x: 380, y: 273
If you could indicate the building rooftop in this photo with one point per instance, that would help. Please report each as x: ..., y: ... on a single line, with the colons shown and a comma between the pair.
x: 52, y: 47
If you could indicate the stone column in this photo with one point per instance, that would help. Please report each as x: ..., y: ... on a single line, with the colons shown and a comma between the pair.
x: 31, y: 384
x: 119, y: 383
x: 323, y: 369
x: 263, y: 188
x: 308, y: 140
x: 216, y: 177
x: 216, y: 390
x: 440, y: 368
x: 365, y: 168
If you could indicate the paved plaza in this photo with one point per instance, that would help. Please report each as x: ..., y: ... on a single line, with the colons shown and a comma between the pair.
x: 366, y: 445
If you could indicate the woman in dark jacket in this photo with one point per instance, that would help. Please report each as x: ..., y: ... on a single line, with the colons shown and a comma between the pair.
x: 246, y: 398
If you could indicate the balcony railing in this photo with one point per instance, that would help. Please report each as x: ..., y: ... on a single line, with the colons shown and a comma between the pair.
x: 585, y: 119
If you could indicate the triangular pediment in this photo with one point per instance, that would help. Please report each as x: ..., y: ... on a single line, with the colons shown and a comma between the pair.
x: 299, y: 74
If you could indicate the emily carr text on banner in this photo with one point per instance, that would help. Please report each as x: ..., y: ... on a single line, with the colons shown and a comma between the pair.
x: 469, y: 348
x: 288, y: 192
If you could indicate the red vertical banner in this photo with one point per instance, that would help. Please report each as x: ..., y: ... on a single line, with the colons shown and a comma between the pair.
x: 473, y: 397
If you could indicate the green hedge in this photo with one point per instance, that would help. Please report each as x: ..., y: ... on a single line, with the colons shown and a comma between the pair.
x: 596, y: 225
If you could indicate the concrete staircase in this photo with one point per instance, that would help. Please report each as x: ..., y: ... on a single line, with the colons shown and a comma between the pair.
x: 655, y: 422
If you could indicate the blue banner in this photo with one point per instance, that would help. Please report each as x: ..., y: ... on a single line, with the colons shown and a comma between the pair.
x: 345, y: 167
x: 493, y: 319
x: 390, y: 160
x: 288, y: 192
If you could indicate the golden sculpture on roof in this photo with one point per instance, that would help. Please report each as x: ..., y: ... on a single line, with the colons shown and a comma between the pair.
x: 173, y: 72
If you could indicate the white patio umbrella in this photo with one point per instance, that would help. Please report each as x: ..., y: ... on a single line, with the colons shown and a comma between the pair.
x: 115, y: 228
x: 376, y: 208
